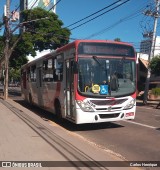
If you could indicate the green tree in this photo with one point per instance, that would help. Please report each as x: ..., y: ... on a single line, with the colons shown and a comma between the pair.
x: 14, y: 74
x: 155, y: 65
x: 43, y: 30
x: 45, y: 33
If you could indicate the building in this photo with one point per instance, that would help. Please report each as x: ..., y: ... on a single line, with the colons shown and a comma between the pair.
x: 142, y: 67
x: 145, y: 46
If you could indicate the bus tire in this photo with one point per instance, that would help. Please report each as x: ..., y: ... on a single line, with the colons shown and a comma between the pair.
x: 58, y: 110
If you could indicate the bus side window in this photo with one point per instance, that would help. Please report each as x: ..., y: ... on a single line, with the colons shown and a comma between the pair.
x: 48, y: 70
x: 33, y: 73
x: 58, y: 70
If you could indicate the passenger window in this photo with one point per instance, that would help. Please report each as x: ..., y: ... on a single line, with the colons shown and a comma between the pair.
x: 58, y: 68
x: 48, y: 70
x: 33, y: 73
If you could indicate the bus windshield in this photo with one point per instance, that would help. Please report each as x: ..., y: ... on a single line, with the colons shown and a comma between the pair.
x: 106, y: 77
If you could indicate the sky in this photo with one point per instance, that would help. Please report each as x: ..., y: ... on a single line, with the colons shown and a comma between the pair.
x: 126, y: 21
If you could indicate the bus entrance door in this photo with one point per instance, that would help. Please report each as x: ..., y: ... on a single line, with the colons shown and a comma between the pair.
x: 69, y: 92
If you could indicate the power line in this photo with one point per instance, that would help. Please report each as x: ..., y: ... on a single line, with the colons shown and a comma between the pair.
x: 30, y: 3
x: 55, y: 5
x: 108, y: 28
x: 33, y: 4
x: 42, y: 6
x: 131, y: 16
x: 94, y: 13
x: 101, y: 14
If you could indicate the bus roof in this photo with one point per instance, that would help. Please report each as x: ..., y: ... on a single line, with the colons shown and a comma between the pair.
x: 76, y: 42
x: 73, y: 44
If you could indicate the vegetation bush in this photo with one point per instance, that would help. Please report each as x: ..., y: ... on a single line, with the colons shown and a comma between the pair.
x: 156, y: 91
x: 155, y: 65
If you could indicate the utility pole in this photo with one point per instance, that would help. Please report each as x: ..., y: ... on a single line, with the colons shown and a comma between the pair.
x: 154, y: 14
x: 6, y: 50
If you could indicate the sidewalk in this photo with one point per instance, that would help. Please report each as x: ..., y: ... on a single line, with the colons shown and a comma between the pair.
x: 151, y: 104
x: 26, y: 136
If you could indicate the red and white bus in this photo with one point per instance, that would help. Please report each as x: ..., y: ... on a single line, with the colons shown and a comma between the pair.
x: 86, y: 81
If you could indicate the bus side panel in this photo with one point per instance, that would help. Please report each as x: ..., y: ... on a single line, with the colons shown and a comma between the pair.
x: 33, y: 93
x: 50, y: 91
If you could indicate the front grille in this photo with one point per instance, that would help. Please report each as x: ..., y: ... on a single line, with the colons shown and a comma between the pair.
x: 105, y: 116
x: 108, y: 102
x: 113, y: 108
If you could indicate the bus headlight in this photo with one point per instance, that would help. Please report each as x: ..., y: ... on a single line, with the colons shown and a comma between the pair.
x: 130, y: 104
x: 85, y: 106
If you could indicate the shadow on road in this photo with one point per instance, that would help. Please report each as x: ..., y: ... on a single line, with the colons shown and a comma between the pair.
x: 46, y: 116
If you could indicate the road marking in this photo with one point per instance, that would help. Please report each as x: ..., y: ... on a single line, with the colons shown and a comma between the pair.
x: 140, y: 124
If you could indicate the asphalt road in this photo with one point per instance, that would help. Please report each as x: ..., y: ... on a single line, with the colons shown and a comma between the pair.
x: 136, y: 140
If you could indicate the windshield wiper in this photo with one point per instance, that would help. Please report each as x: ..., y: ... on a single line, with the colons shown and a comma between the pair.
x: 97, y: 60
